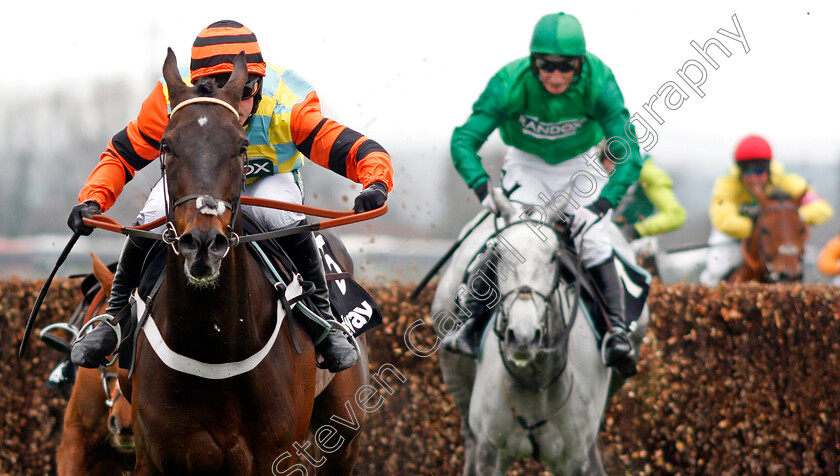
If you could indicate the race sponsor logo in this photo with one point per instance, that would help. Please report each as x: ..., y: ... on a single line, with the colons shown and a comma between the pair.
x: 258, y: 167
x: 358, y: 317
x: 533, y: 127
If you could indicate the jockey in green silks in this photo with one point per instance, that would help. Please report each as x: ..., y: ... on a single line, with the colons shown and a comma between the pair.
x: 552, y: 108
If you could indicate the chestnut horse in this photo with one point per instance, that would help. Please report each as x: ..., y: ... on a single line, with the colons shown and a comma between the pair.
x: 97, y: 438
x: 218, y: 387
x: 774, y: 252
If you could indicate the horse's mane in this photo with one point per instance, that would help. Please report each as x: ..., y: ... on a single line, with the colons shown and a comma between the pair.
x: 205, y: 87
x: 779, y: 195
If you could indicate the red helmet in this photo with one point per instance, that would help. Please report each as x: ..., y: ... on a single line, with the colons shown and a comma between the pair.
x: 216, y: 46
x: 753, y: 148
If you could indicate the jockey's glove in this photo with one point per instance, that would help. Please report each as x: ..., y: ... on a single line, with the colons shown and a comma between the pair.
x: 630, y: 232
x: 481, y: 191
x: 83, y: 210
x: 486, y: 198
x: 584, y: 218
x: 371, y: 198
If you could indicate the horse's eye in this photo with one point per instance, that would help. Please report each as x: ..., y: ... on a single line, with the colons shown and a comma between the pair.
x: 764, y: 231
x: 164, y: 147
x: 243, y: 148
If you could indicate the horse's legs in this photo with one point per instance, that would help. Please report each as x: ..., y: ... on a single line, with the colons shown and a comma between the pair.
x: 594, y: 465
x: 335, y: 409
x: 488, y: 460
x: 458, y: 375
x: 72, y: 451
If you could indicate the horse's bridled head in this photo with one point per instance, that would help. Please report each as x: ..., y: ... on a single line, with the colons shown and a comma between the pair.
x: 781, y: 236
x: 203, y: 154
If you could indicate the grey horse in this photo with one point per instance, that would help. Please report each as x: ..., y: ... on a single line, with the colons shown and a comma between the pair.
x: 539, y: 388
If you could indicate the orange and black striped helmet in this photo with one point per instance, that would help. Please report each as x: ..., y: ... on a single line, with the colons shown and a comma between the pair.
x: 216, y: 46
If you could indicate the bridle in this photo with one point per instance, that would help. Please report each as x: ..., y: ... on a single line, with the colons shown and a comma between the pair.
x: 204, y: 204
x: 765, y: 256
x: 550, y: 300
x: 108, y: 377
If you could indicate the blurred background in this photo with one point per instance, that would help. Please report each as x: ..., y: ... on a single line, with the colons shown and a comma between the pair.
x: 405, y: 75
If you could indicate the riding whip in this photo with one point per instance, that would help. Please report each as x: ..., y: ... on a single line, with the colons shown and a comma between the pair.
x: 444, y: 259
x: 31, y: 322
x: 695, y: 246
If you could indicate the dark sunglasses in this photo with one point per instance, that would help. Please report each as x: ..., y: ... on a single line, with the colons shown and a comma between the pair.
x: 754, y: 169
x: 252, y: 87
x: 564, y: 66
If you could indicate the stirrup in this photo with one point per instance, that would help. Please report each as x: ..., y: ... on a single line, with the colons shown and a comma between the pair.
x: 105, y: 319
x: 613, y: 333
x: 56, y: 342
x: 350, y: 337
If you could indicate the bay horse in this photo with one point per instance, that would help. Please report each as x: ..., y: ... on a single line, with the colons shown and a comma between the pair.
x: 774, y: 251
x: 539, y: 388
x: 249, y: 412
x: 97, y: 437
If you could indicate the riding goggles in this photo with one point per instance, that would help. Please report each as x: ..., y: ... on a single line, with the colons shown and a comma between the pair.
x: 565, y: 66
x: 251, y: 89
x: 757, y: 167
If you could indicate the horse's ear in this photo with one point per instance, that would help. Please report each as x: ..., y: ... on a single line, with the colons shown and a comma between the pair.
x: 800, y: 198
x: 102, y: 273
x: 556, y: 208
x: 233, y: 88
x: 174, y: 82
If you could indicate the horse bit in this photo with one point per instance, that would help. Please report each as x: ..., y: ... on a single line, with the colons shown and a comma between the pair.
x: 204, y: 204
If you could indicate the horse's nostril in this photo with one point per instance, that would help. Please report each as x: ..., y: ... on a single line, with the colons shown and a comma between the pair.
x: 220, y: 245
x: 537, y: 338
x: 187, y: 242
x: 112, y: 425
x: 510, y: 337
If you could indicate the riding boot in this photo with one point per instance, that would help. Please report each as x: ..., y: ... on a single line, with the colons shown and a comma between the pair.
x: 91, y: 350
x: 474, y: 311
x: 336, y: 350
x: 617, y: 349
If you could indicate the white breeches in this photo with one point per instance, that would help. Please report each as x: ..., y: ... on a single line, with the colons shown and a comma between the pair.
x: 723, y: 255
x: 280, y: 187
x: 537, y: 179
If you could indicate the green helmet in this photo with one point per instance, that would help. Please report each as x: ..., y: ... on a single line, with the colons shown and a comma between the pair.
x: 558, y: 34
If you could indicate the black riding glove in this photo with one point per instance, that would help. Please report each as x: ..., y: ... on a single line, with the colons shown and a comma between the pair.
x: 371, y: 198
x: 630, y: 232
x: 83, y: 210
x: 481, y: 191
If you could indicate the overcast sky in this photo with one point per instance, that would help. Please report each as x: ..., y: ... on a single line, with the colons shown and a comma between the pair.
x: 407, y: 73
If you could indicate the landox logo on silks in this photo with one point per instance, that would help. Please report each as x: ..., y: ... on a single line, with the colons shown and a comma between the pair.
x: 549, y: 130
x: 350, y: 302
x: 258, y: 167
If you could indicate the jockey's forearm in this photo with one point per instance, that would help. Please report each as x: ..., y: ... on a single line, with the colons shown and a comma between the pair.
x: 662, y: 222
x: 816, y: 212
x: 466, y: 141
x: 105, y: 183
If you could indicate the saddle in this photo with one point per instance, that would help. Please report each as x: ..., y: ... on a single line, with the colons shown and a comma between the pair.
x: 636, y: 283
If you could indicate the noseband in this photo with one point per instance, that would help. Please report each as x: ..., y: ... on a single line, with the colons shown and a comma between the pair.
x: 527, y: 292
x: 764, y: 256
x: 204, y: 204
